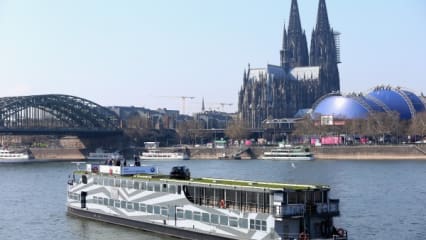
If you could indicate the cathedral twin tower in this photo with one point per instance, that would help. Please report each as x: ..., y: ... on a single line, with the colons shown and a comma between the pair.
x: 301, y: 78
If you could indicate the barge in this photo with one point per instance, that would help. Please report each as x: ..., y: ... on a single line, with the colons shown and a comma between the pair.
x: 202, y: 208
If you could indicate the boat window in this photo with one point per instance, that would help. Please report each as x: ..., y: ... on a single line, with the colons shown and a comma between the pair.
x: 179, y: 189
x: 95, y: 180
x: 224, y: 220
x: 164, y: 211
x: 150, y: 208
x: 263, y: 225
x: 129, y: 184
x: 123, y: 204
x: 150, y: 186
x: 106, y: 201
x: 233, y: 221
x: 117, y: 203
x: 243, y: 223
x: 136, y: 206
x: 197, y: 216
x: 157, y: 209
x: 214, y: 219
x: 251, y: 223
x: 317, y: 196
x: 100, y: 200
x: 157, y: 187
x: 164, y: 188
x: 172, y: 189
x: 95, y: 199
x: 84, y: 179
x: 179, y: 213
x: 292, y: 197
x: 325, y: 196
x: 136, y: 185
x: 188, y: 214
x: 108, y: 181
x: 129, y: 205
x: 205, y: 217
x: 123, y: 183
x: 301, y: 197
x: 111, y: 202
x: 117, y: 182
x: 143, y: 185
x: 143, y: 207
x: 258, y: 226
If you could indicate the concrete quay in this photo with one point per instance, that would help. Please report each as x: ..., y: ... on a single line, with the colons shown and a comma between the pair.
x: 359, y: 152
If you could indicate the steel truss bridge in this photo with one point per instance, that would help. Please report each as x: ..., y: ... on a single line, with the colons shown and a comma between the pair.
x: 56, y: 114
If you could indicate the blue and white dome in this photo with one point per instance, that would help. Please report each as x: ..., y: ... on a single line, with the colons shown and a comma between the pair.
x: 380, y: 99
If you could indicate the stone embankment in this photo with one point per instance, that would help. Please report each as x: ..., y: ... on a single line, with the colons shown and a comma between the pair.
x: 362, y: 152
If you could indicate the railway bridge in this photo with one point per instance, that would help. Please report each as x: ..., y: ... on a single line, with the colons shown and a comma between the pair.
x: 56, y: 114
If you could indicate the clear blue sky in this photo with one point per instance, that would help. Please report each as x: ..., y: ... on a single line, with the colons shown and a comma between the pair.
x: 134, y: 52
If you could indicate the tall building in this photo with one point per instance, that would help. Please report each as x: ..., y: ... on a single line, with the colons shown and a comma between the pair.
x: 301, y: 78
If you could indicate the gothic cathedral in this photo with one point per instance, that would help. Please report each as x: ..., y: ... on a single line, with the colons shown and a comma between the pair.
x: 301, y: 78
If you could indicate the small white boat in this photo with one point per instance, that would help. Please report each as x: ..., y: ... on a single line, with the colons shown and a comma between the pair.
x: 158, y: 155
x: 101, y: 155
x: 8, y: 156
x: 288, y: 152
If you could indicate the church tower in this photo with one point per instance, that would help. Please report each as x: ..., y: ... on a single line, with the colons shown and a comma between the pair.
x: 324, y: 52
x: 294, y: 50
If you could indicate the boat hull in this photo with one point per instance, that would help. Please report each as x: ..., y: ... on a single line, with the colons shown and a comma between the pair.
x: 147, y: 226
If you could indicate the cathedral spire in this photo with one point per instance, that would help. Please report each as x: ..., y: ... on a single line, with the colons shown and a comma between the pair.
x: 203, y: 108
x: 294, y: 25
x: 283, y: 52
x: 322, y: 17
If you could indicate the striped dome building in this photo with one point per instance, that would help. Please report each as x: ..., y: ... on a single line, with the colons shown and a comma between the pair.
x: 380, y: 99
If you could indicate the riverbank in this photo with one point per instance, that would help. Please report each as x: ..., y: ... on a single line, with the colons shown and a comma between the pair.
x: 361, y: 152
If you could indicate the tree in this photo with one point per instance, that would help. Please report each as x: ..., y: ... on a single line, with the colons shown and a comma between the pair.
x: 417, y: 125
x: 237, y: 129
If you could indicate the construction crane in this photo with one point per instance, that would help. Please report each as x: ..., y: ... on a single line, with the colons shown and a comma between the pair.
x: 183, y: 100
x: 222, y: 105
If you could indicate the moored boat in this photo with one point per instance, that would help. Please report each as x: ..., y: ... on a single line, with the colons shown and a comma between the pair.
x: 159, y: 155
x: 289, y: 152
x: 101, y: 155
x: 9, y: 156
x: 202, y: 208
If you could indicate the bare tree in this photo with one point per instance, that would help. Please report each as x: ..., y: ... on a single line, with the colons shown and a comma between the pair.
x: 237, y: 129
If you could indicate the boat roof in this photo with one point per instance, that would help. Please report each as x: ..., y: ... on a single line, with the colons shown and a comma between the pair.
x: 224, y: 183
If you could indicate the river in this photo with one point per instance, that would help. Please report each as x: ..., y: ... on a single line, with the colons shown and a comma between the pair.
x: 378, y: 199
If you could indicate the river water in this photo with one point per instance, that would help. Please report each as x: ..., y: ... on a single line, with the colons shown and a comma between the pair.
x: 378, y: 199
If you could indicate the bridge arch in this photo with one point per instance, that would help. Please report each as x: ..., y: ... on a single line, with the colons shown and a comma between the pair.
x: 55, y: 112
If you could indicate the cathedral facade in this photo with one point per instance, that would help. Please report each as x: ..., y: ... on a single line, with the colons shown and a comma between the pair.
x: 279, y: 91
